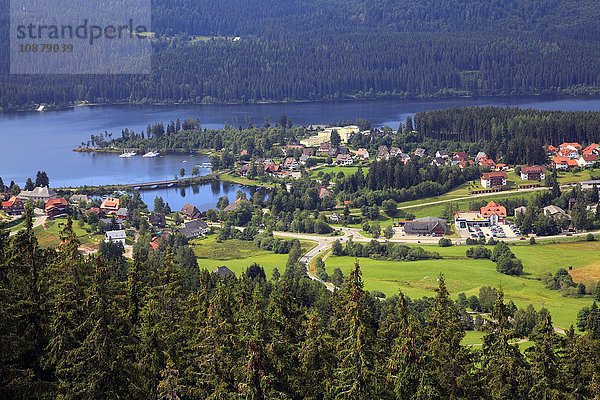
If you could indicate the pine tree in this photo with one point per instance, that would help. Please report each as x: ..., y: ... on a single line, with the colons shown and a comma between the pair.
x: 100, y: 367
x: 316, y: 358
x: 407, y: 355
x: 446, y: 359
x: 505, y: 370
x: 159, y: 326
x: 24, y: 314
x: 354, y: 376
x: 212, y: 350
x: 67, y: 279
x: 544, y: 358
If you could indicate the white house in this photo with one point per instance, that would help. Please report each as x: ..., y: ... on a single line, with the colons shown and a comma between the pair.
x: 494, y: 179
x: 115, y: 236
x: 442, y: 154
x: 587, y: 160
x: 343, y: 159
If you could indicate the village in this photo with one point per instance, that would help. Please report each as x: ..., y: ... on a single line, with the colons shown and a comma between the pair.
x: 323, y: 156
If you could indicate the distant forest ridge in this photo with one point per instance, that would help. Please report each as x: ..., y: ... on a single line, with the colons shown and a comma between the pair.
x: 473, y: 124
x: 341, y: 49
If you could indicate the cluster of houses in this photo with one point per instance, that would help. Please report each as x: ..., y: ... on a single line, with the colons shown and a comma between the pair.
x: 110, y: 213
x: 53, y: 206
x: 570, y: 155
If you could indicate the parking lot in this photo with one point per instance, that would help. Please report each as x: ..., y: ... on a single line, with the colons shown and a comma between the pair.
x: 500, y: 231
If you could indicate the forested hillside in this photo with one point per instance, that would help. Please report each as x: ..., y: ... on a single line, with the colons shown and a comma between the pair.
x: 98, y: 327
x: 317, y: 49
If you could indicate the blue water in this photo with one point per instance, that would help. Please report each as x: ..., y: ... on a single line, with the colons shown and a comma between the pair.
x: 32, y: 141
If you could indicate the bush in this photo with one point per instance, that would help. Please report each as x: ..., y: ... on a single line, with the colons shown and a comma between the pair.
x: 445, y: 242
x: 479, y: 252
x: 590, y: 237
x: 532, y: 241
x: 509, y: 265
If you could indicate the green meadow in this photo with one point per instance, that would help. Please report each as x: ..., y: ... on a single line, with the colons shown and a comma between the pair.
x: 238, y: 255
x: 48, y: 235
x: 419, y: 278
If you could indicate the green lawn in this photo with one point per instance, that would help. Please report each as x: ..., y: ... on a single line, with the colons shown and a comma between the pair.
x: 475, y: 339
x: 333, y: 170
x: 238, y: 255
x: 565, y: 178
x: 48, y: 235
x: 419, y: 278
x: 436, y: 210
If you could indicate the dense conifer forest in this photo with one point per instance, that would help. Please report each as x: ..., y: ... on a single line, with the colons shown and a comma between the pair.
x: 161, y: 327
x: 343, y: 49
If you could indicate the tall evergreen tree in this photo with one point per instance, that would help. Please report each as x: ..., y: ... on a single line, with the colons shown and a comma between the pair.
x: 505, y: 369
x: 354, y: 376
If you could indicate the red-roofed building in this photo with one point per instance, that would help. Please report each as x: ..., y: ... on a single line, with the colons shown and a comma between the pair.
x: 493, y: 212
x: 587, y: 160
x: 593, y: 148
x: 572, y: 145
x: 533, y: 173
x: 56, y: 207
x: 569, y: 153
x: 487, y: 163
x: 111, y: 205
x: 13, y: 206
x: 564, y: 163
x: 494, y: 179
x: 324, y: 192
x: 551, y: 150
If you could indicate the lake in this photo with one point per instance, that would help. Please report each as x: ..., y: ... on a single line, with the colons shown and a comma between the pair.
x: 32, y: 141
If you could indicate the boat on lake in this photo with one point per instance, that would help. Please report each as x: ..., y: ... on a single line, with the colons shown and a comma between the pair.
x: 151, y: 154
x: 127, y: 154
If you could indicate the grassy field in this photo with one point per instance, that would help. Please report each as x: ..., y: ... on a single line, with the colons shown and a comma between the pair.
x: 419, y: 278
x: 565, y: 178
x: 436, y: 210
x: 48, y: 235
x: 238, y: 255
x: 475, y: 339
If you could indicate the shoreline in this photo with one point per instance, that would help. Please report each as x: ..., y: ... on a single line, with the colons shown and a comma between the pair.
x: 66, y: 107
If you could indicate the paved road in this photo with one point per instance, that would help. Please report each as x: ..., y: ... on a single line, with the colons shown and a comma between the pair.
x: 474, y: 196
x: 40, y: 219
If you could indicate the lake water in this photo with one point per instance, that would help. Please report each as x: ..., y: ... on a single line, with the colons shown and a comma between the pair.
x: 32, y: 141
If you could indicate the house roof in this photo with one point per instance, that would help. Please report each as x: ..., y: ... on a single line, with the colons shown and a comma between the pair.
x: 490, y: 175
x: 38, y: 192
x: 193, y: 229
x: 461, y: 155
x: 56, y: 202
x: 224, y: 272
x: 235, y: 205
x: 115, y: 235
x: 157, y: 219
x: 553, y: 210
x: 324, y: 192
x: 493, y: 208
x: 574, y: 145
x: 533, y: 169
x: 11, y: 202
x: 427, y: 224
x: 591, y: 148
x: 590, y: 157
x: 111, y: 203
x: 77, y: 198
x: 191, y: 211
x: 487, y: 162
